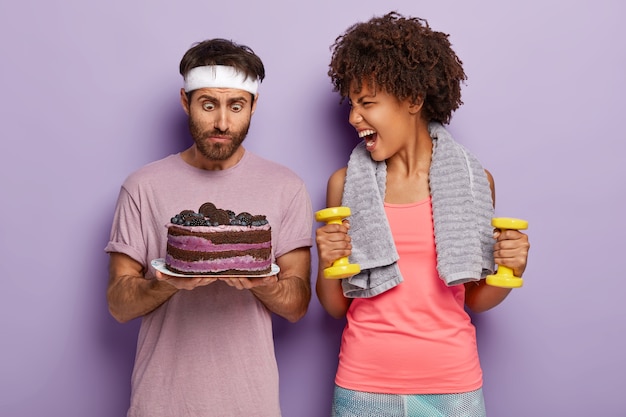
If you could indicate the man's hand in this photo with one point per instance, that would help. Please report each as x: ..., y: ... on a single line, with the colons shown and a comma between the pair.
x: 248, y: 283
x: 184, y: 283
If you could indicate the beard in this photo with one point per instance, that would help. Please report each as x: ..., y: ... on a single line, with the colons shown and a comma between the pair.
x: 217, y: 151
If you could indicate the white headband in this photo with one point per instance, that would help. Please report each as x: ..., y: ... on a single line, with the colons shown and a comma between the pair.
x: 219, y: 76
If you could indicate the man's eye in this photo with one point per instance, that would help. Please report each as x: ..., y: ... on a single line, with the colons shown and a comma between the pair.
x: 237, y: 107
x: 208, y: 106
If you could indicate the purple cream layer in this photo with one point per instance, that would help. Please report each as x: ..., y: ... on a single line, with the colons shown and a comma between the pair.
x: 239, y: 262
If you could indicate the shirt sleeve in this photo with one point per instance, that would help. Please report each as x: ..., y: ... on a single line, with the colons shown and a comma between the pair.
x: 297, y: 226
x: 126, y: 235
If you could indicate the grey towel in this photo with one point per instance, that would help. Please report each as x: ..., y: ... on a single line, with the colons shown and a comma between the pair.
x: 462, y: 212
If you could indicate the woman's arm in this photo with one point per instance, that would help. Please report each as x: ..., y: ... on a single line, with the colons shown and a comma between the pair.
x: 333, y: 243
x: 510, y: 250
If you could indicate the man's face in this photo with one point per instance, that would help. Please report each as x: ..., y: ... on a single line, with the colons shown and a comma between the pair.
x: 219, y: 119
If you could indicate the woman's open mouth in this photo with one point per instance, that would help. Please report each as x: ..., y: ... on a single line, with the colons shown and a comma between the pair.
x: 369, y: 136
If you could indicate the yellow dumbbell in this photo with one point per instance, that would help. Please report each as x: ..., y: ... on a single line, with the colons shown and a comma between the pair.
x: 504, y: 276
x: 341, y: 268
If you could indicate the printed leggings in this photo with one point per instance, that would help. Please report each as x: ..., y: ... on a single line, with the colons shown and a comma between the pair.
x: 348, y: 403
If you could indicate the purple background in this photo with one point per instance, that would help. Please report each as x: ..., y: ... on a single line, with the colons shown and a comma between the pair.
x: 89, y: 93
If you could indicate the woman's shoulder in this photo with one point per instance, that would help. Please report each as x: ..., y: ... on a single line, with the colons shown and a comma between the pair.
x: 338, y: 177
x: 334, y: 189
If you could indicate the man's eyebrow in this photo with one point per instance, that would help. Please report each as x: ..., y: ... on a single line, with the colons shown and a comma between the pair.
x: 206, y: 96
x: 240, y: 98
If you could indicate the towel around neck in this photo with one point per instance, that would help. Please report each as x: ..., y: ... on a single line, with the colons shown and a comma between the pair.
x: 462, y: 212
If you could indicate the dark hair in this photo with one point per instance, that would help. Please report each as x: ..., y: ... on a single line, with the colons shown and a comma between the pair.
x: 403, y: 56
x: 223, y: 52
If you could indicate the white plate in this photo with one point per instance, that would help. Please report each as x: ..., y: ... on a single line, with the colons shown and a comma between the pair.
x: 159, y: 265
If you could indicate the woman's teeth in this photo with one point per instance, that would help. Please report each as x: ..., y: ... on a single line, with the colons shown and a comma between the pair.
x: 368, y: 136
x: 364, y: 133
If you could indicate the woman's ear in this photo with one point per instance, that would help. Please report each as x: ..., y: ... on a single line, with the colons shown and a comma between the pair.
x: 415, y: 106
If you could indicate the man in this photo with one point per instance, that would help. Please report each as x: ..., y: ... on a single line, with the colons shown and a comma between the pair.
x: 205, y: 345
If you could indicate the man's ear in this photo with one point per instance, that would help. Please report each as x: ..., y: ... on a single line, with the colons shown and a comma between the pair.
x: 416, y: 105
x: 254, y: 101
x: 184, y: 101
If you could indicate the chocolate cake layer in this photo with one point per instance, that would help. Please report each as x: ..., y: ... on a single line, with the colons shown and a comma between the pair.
x: 223, y: 234
x: 219, y: 250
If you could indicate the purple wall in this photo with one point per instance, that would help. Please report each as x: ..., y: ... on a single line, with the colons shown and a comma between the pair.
x: 89, y: 93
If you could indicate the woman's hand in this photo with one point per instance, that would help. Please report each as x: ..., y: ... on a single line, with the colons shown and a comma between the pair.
x: 511, y: 250
x: 333, y: 242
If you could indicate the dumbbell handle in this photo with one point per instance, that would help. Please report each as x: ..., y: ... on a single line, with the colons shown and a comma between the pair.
x: 341, y: 268
x: 504, y: 277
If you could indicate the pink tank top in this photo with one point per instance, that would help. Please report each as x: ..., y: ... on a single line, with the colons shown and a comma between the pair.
x: 417, y: 337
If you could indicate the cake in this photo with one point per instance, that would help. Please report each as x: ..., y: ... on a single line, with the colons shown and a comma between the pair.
x: 213, y: 241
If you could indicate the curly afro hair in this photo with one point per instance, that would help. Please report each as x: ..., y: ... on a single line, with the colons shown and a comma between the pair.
x: 403, y: 56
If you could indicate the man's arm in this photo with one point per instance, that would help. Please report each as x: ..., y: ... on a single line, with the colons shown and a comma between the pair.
x: 131, y: 295
x: 287, y: 294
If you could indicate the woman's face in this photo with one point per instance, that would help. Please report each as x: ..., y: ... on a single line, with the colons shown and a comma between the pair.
x: 381, y: 120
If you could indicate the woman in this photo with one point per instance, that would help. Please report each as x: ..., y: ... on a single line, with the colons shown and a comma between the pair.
x: 409, y: 347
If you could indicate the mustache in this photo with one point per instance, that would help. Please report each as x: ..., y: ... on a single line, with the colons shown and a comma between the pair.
x: 216, y: 133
